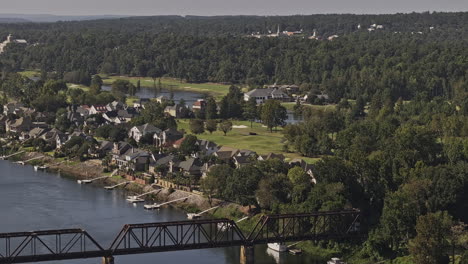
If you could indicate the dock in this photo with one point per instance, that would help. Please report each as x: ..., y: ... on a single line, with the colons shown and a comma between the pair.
x: 112, y: 187
x: 191, y: 216
x: 26, y: 161
x: 138, y: 199
x: 11, y: 155
x: 157, y: 206
x: 91, y: 180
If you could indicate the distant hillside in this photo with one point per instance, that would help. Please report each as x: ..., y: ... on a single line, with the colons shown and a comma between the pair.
x: 12, y: 20
x: 21, y: 18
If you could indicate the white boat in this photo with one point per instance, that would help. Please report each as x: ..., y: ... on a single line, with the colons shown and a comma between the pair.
x: 36, y: 168
x: 191, y: 216
x: 278, y: 247
x: 134, y: 199
x: 151, y: 206
x: 335, y: 261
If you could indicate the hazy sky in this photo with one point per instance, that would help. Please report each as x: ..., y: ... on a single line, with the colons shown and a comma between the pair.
x: 225, y: 7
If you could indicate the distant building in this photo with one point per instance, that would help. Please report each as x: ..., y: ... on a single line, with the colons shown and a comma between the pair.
x: 11, y: 40
x: 261, y: 95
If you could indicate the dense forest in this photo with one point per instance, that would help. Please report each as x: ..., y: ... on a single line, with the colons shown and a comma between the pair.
x: 412, y: 54
x: 399, y: 152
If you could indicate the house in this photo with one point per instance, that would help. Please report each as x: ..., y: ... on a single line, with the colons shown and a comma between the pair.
x: 137, y: 132
x: 161, y: 99
x: 167, y: 137
x: 271, y: 156
x: 263, y: 94
x: 226, y: 153
x: 288, y: 88
x: 37, y: 132
x: 22, y: 124
x: 12, y: 108
x: 206, y: 148
x: 162, y: 163
x: 102, y: 149
x: 3, y: 119
x: 115, y: 106
x: 132, y: 160
x: 174, y: 111
x: 199, y: 105
x: 97, y: 109
x: 83, y: 110
x: 120, y: 116
x: 75, y: 118
x: 241, y: 161
x: 51, y: 137
x: 305, y: 166
x: 247, y: 153
x: 140, y: 103
x: 190, y: 167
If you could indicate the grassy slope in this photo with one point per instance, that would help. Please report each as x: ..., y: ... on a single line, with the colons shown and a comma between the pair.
x: 262, y: 143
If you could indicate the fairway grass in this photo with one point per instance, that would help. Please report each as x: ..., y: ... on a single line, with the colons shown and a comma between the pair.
x: 262, y: 143
x: 214, y: 89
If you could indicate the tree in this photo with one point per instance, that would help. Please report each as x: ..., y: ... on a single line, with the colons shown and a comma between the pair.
x: 242, y: 184
x: 211, y: 125
x: 273, y: 114
x: 189, y: 145
x: 211, y: 111
x: 274, y: 189
x: 250, y: 110
x: 430, y: 244
x: 225, y: 126
x: 301, y: 183
x: 215, y: 181
x: 197, y: 126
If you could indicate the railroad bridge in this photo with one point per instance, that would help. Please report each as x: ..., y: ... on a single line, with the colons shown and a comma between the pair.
x: 47, y: 245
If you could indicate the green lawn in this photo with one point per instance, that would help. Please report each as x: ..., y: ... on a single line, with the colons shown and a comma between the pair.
x: 30, y: 74
x: 290, y: 106
x: 262, y: 143
x: 214, y: 89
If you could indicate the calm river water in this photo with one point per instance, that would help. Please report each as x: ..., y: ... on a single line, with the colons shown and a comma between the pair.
x: 31, y: 201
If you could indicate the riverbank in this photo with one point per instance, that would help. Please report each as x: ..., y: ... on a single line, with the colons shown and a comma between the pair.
x: 91, y: 169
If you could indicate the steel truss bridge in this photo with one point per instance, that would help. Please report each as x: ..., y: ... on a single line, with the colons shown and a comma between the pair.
x: 47, y: 245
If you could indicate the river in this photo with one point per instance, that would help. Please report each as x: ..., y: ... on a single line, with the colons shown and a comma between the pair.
x: 33, y: 200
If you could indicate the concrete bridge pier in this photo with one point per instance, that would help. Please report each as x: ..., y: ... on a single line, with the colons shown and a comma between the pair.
x: 108, y: 260
x: 247, y: 255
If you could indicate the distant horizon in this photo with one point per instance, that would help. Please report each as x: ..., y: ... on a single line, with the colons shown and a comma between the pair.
x: 218, y: 15
x: 226, y: 8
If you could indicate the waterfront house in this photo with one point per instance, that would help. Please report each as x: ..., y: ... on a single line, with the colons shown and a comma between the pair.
x: 175, y: 111
x: 101, y: 150
x: 132, y: 160
x: 137, y: 132
x: 22, y: 124
x: 190, y: 167
x: 261, y: 95
x: 167, y: 137
x: 199, y: 105
x: 140, y: 103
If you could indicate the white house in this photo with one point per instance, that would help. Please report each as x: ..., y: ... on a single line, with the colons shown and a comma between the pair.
x: 137, y: 132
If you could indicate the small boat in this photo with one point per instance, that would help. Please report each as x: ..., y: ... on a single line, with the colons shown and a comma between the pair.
x: 134, y: 199
x: 192, y: 216
x: 278, y: 247
x: 151, y: 206
x: 36, y: 168
x: 295, y: 251
x: 335, y: 261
